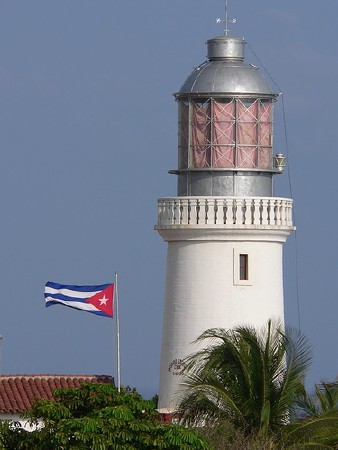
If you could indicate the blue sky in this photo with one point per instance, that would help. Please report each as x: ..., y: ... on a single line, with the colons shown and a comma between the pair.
x: 87, y: 134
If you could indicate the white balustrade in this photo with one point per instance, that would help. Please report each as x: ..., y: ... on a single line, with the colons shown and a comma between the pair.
x: 225, y: 211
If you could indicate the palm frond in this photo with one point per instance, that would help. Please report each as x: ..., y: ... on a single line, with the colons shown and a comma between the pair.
x: 319, y: 430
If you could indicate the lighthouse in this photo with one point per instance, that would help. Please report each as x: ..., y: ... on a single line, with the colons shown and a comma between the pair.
x: 225, y: 229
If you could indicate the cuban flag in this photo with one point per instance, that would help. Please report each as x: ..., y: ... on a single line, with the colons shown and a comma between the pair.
x: 94, y: 299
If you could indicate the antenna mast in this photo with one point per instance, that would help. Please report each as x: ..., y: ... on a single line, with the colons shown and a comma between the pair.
x: 226, y: 20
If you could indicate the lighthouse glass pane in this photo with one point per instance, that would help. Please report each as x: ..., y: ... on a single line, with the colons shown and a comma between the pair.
x: 183, y: 135
x: 254, y: 134
x: 265, y: 134
x: 201, y: 134
x: 223, y: 134
x: 247, y: 134
x: 264, y: 158
x: 264, y: 123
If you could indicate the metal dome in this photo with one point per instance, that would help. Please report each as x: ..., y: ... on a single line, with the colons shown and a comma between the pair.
x: 225, y: 73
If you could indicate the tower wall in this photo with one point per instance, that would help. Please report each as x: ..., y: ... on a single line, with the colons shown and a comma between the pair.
x: 204, y: 290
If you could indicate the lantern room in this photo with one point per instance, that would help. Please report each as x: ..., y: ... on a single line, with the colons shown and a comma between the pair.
x: 225, y: 126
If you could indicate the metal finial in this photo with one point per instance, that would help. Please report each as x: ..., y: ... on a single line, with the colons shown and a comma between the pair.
x: 226, y: 20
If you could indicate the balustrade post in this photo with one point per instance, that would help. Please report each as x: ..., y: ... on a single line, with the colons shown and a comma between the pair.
x: 184, y: 211
x: 193, y: 212
x: 165, y: 213
x: 256, y: 216
x: 280, y: 212
x: 226, y: 211
x: 290, y: 213
x: 286, y: 212
x: 244, y: 216
x: 247, y: 211
x: 277, y: 208
x: 203, y: 211
x: 219, y: 211
x: 265, y: 212
x: 278, y: 220
x: 169, y: 208
x: 230, y: 211
x: 176, y: 212
x: 269, y: 211
x: 239, y: 211
x: 160, y: 218
x: 209, y: 212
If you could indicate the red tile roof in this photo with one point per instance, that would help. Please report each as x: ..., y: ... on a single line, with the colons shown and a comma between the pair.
x: 18, y: 392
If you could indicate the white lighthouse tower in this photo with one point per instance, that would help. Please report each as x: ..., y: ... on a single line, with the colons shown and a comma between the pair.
x: 225, y: 229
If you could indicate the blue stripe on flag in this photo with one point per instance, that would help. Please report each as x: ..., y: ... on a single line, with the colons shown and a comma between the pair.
x: 98, y: 313
x: 71, y: 287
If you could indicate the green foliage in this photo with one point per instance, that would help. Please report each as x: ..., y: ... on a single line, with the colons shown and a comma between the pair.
x: 245, y: 377
x: 97, y: 417
x: 314, y: 434
x: 323, y: 402
x: 319, y: 428
x: 246, y: 388
x: 225, y: 436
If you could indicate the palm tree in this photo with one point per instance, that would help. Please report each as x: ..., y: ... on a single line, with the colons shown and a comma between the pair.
x: 248, y: 377
x: 323, y: 402
x: 319, y: 427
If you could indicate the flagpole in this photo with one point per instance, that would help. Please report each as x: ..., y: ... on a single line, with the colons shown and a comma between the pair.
x: 118, y: 335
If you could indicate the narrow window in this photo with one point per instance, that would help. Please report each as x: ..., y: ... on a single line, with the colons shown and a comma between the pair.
x: 243, y: 267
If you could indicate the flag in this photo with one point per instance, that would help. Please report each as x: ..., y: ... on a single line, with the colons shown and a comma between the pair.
x: 94, y: 299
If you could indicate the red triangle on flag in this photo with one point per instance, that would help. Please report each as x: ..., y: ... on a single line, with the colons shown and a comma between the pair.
x: 103, y: 300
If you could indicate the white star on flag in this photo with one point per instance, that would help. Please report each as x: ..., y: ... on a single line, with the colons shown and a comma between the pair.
x: 103, y: 300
